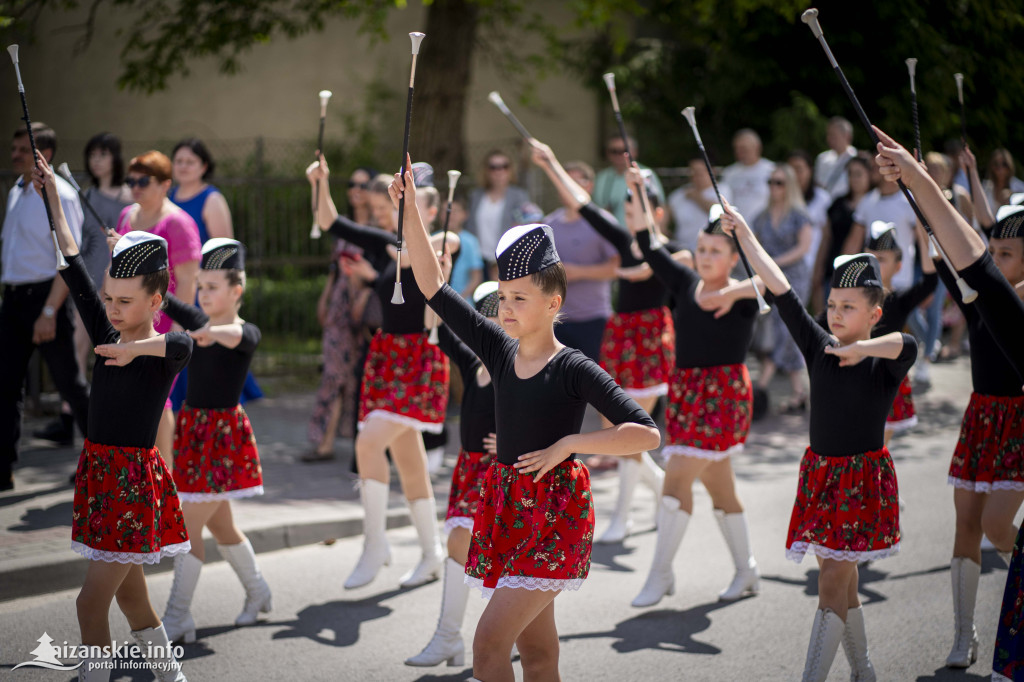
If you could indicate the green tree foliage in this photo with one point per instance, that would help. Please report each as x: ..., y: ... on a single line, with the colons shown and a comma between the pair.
x: 740, y: 62
x: 753, y: 63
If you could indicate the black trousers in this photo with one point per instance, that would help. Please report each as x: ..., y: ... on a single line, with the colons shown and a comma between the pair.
x: 21, y: 307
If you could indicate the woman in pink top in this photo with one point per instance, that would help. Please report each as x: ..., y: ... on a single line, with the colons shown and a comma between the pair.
x: 149, y: 177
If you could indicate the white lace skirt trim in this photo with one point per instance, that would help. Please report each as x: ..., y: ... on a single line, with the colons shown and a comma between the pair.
x: 429, y: 427
x: 799, y: 549
x: 690, y: 451
x: 902, y: 424
x: 453, y: 522
x: 131, y: 557
x: 526, y: 582
x: 226, y: 495
x: 655, y: 391
x: 985, y: 486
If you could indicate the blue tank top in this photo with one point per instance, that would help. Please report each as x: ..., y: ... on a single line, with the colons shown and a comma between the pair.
x: 194, y: 207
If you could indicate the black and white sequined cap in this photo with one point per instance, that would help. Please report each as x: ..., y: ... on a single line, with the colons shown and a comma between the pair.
x: 524, y: 250
x: 1010, y: 221
x: 138, y: 253
x: 485, y: 299
x: 714, y: 225
x: 857, y: 270
x: 221, y: 253
x: 883, y: 236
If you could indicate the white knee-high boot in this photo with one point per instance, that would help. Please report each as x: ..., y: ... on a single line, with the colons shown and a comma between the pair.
x: 652, y: 476
x: 855, y: 644
x: 964, y: 574
x: 178, y: 622
x: 661, y: 580
x: 424, y: 518
x: 621, y: 525
x: 94, y: 670
x: 737, y: 537
x: 376, y: 551
x: 821, y: 651
x: 447, y: 644
x: 156, y: 648
x: 258, y: 599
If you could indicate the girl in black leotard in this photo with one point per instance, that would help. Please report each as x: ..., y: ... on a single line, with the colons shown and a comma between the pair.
x: 476, y: 430
x: 126, y: 511
x: 898, y: 306
x: 847, y: 504
x: 404, y: 393
x: 637, y: 349
x: 215, y: 454
x: 532, y: 535
x: 986, y: 469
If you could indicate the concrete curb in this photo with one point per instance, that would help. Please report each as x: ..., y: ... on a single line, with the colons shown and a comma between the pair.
x: 67, y: 570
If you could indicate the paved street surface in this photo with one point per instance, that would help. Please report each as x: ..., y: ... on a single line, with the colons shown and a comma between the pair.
x: 319, y: 631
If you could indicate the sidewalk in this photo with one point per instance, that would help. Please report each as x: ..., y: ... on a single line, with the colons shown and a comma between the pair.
x: 310, y: 503
x: 302, y: 503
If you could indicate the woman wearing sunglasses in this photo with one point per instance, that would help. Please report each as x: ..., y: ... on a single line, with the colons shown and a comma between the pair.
x: 149, y: 179
x: 784, y: 229
x: 496, y: 205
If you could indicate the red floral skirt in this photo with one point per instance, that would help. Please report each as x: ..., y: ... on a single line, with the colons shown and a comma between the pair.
x: 846, y: 508
x: 708, y: 414
x: 468, y: 480
x: 902, y: 415
x: 638, y: 351
x: 215, y: 455
x: 990, y: 452
x: 126, y: 508
x: 535, y: 536
x: 405, y: 379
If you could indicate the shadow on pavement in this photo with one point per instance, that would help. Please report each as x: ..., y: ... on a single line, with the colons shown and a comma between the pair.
x: 868, y: 575
x: 454, y: 677
x: 607, y: 556
x: 8, y: 500
x: 335, y: 623
x: 665, y: 630
x: 944, y: 674
x: 51, y: 517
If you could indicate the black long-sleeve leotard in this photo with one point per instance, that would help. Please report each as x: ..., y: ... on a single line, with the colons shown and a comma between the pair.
x: 125, y: 403
x: 476, y: 417
x: 701, y: 340
x: 992, y: 372
x: 849, y: 405
x: 633, y: 296
x: 216, y: 373
x: 534, y: 413
x: 405, y: 318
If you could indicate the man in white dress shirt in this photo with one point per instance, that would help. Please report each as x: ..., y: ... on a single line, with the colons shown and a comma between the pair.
x: 35, y: 312
x: 747, y: 179
x: 830, y: 166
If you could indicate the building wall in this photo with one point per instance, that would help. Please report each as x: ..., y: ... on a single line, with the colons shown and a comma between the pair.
x: 275, y: 96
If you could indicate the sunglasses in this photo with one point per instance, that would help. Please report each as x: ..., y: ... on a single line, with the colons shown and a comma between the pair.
x: 497, y: 166
x: 352, y: 184
x: 777, y: 183
x: 617, y: 150
x: 141, y: 183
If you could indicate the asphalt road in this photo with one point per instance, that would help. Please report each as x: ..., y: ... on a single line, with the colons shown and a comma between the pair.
x: 319, y: 631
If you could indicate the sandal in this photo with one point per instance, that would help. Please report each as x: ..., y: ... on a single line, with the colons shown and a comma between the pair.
x: 314, y: 456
